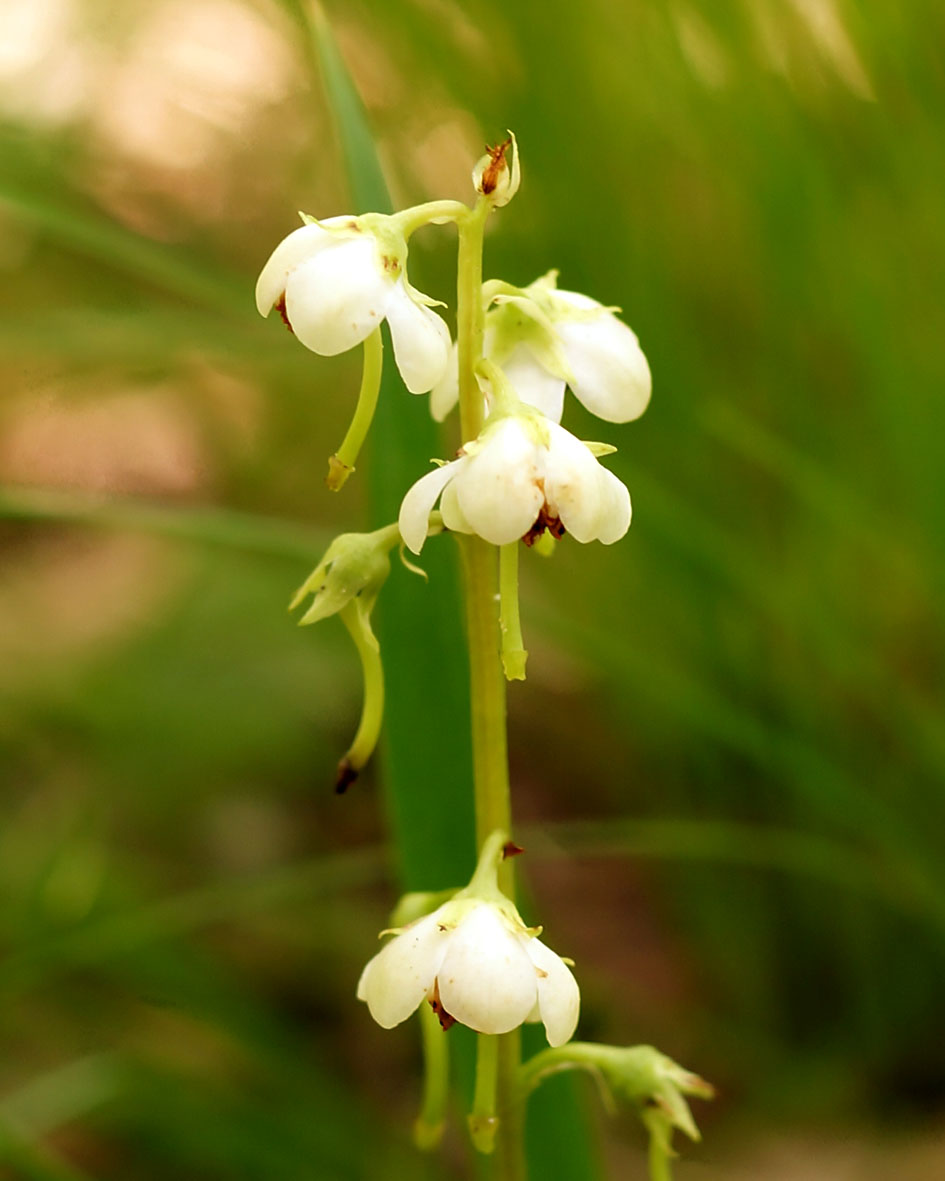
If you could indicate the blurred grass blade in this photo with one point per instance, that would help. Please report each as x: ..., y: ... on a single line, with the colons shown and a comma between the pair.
x: 43, y: 199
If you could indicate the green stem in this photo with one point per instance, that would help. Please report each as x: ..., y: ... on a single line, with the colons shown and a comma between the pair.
x: 470, y: 319
x: 487, y: 694
x: 510, y: 623
x: 483, y: 1122
x: 372, y: 712
x: 428, y: 1128
x: 341, y: 464
x: 430, y: 213
x: 554, y: 1060
x: 658, y: 1155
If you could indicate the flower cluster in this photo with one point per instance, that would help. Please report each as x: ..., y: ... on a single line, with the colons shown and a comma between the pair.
x: 519, y: 475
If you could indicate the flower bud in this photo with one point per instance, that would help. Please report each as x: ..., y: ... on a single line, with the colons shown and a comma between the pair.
x: 355, y: 565
x: 498, y: 174
x: 656, y: 1085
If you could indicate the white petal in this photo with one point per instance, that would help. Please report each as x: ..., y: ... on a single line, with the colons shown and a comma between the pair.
x: 486, y: 979
x: 611, y: 374
x: 336, y: 299
x: 453, y: 517
x: 498, y: 490
x: 398, y: 978
x: 445, y: 394
x: 416, y: 506
x: 614, y: 520
x: 573, y: 487
x: 297, y: 248
x: 421, y: 341
x: 534, y: 384
x: 559, y: 999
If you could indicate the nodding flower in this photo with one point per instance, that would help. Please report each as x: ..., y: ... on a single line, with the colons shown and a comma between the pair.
x: 474, y: 960
x: 524, y: 473
x: 545, y: 340
x: 335, y: 281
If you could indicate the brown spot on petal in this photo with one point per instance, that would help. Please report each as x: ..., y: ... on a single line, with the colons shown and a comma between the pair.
x: 446, y: 1020
x: 510, y: 849
x: 545, y: 521
x: 280, y: 308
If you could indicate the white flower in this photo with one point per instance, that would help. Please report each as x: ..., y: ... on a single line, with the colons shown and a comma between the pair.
x: 335, y: 281
x: 477, y: 963
x: 523, y: 474
x: 545, y: 339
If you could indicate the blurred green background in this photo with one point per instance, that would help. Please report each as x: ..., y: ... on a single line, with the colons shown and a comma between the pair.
x: 729, y: 755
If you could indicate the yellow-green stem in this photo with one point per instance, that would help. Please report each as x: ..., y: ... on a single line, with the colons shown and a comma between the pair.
x: 658, y: 1155
x: 510, y: 624
x: 428, y: 1128
x: 487, y: 690
x: 469, y: 319
x: 483, y: 1122
x: 341, y: 464
x: 372, y: 711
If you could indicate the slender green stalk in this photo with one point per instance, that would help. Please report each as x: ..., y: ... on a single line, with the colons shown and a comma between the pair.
x: 487, y: 695
x: 372, y: 712
x: 428, y: 1128
x: 658, y: 1161
x: 499, y: 1057
x: 510, y: 623
x: 470, y: 319
x: 554, y: 1060
x: 483, y: 1121
x: 341, y: 464
x: 431, y: 213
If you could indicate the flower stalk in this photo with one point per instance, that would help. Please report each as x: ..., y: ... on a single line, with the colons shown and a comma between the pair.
x: 429, y: 1124
x: 341, y: 464
x: 372, y: 709
x: 498, y: 1058
x: 514, y: 655
x: 466, y: 956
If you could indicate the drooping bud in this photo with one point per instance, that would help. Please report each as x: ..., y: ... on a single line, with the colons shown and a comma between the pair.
x: 346, y: 582
x: 498, y: 174
x: 649, y: 1081
x: 355, y: 565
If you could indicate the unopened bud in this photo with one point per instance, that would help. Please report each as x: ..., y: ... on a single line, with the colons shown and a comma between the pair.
x: 355, y: 565
x: 498, y: 174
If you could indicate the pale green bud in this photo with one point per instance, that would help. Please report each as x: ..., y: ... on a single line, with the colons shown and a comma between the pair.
x: 656, y: 1085
x: 355, y: 566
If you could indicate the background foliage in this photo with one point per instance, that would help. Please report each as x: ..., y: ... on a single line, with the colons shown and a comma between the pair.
x: 729, y: 753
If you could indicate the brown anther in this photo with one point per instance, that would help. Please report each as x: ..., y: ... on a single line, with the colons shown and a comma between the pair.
x: 510, y: 849
x: 280, y: 308
x: 347, y: 774
x: 446, y: 1020
x: 493, y: 170
x: 545, y: 521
